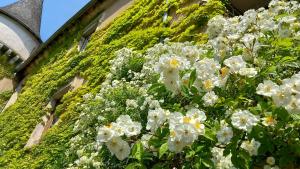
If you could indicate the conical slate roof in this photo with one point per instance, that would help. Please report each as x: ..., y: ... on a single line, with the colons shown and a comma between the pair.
x: 26, y: 12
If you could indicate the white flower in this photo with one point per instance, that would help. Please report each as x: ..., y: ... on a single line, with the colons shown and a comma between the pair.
x: 215, y: 26
x: 249, y: 72
x: 155, y: 119
x: 294, y: 105
x: 132, y: 129
x: 248, y: 40
x: 207, y: 68
x: 271, y: 167
x: 209, y: 84
x: 113, y: 144
x: 119, y: 148
x: 251, y: 146
x: 171, y: 82
x: 267, y: 167
x: 123, y: 120
x: 122, y: 151
x: 269, y: 120
x: 87, y: 96
x: 295, y: 84
x: 220, y: 161
x: 175, y: 119
x: 282, y: 97
x: 145, y: 139
x: 117, y: 128
x: 175, y: 145
x: 270, y: 160
x: 288, y: 19
x: 172, y: 62
x: 185, y: 133
x: 224, y: 135
x: 105, y: 134
x: 235, y: 63
x: 210, y: 98
x: 267, y: 88
x: 196, y: 115
x: 244, y: 120
x: 131, y: 103
x: 195, y: 118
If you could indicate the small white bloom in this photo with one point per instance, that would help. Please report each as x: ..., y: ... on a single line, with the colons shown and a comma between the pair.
x: 282, y: 97
x: 168, y: 62
x: 210, y: 98
x: 174, y: 119
x: 113, y: 144
x: 251, y: 146
x: 270, y: 160
x: 249, y: 72
x: 105, y: 134
x: 294, y: 105
x: 267, y: 88
x: 196, y: 114
x: 267, y: 167
x: 220, y: 161
x: 185, y: 133
x: 131, y: 103
x: 269, y: 120
x: 145, y: 139
x: 215, y: 26
x: 123, y: 120
x: 122, y: 151
x: 117, y: 128
x: 224, y: 135
x: 155, y: 119
x: 244, y: 120
x: 132, y: 129
x: 235, y: 63
x: 175, y: 145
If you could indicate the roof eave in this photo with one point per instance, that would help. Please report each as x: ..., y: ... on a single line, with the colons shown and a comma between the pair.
x: 24, y: 25
x: 55, y: 35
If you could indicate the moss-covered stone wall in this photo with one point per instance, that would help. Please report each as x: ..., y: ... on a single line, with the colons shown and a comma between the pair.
x: 139, y: 28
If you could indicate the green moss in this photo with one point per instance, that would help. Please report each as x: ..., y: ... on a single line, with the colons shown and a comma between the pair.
x: 139, y: 28
x: 6, y: 69
x: 4, y: 97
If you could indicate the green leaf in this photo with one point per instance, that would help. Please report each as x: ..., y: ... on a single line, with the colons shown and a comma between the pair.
x: 194, y: 90
x: 156, y: 87
x: 138, y: 151
x: 163, y: 149
x: 185, y: 91
x: 193, y: 77
x: 207, y: 163
x: 159, y: 166
x: 135, y: 166
x: 282, y: 114
x: 209, y: 134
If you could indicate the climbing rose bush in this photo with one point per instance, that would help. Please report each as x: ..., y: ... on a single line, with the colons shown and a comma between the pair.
x: 233, y: 102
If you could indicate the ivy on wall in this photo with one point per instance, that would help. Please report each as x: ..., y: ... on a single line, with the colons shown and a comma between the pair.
x: 6, y: 69
x: 139, y: 28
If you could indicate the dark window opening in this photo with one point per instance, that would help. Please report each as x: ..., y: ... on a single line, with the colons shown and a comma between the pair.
x: 87, y: 33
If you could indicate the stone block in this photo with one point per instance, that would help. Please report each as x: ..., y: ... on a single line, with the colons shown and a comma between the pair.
x: 35, y: 136
x: 6, y: 84
x: 77, y: 82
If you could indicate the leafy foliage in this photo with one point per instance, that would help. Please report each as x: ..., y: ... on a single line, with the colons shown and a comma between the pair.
x: 137, y: 28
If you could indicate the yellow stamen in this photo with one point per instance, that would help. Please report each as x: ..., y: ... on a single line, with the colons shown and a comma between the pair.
x: 224, y: 72
x: 172, y: 134
x: 208, y: 84
x: 186, y: 120
x: 197, y: 125
x: 174, y: 63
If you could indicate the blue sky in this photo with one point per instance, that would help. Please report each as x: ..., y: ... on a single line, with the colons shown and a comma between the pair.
x: 55, y: 13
